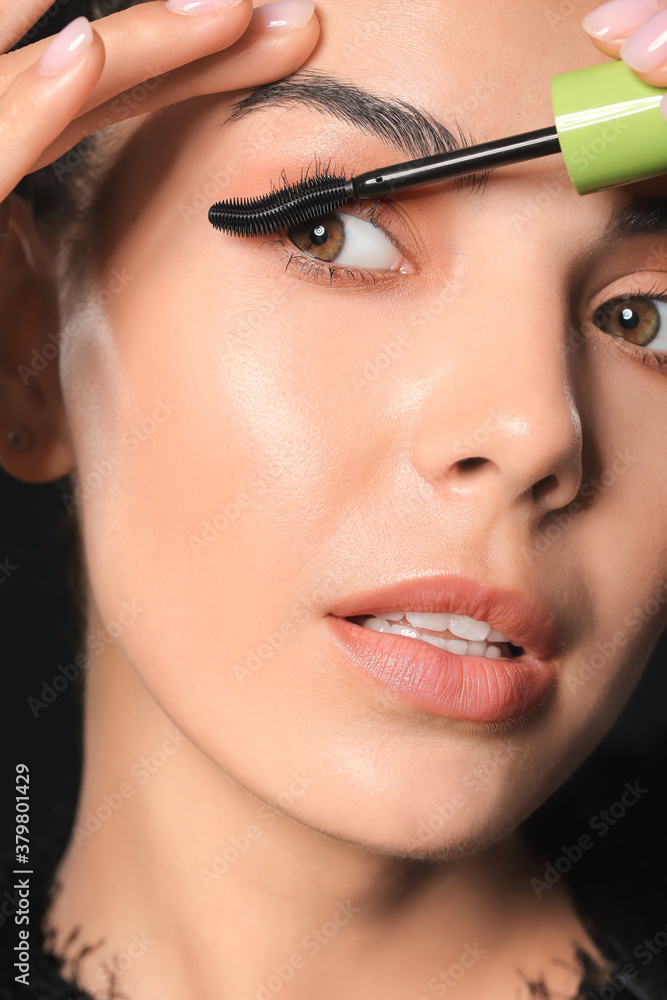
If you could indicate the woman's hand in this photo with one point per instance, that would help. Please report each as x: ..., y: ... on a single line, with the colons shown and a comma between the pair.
x: 634, y: 31
x: 58, y: 90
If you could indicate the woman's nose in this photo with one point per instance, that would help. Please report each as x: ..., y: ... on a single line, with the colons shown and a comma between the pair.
x: 500, y: 418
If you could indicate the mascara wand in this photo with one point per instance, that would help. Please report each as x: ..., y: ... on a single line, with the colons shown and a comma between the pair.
x: 317, y: 196
x: 609, y: 129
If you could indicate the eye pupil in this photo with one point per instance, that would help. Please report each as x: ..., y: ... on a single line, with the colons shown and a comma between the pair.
x: 321, y: 239
x: 628, y: 318
x: 637, y: 320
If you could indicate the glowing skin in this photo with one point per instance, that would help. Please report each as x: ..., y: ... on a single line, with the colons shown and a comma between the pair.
x: 282, y: 468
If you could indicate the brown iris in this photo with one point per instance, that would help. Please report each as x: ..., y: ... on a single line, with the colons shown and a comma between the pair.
x: 322, y: 238
x: 636, y: 320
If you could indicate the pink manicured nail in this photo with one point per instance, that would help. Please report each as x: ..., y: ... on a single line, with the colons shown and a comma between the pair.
x: 199, y: 6
x: 282, y: 15
x: 647, y: 47
x: 618, y: 17
x: 68, y: 45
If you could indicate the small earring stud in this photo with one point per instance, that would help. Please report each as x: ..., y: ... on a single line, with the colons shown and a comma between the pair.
x: 20, y: 438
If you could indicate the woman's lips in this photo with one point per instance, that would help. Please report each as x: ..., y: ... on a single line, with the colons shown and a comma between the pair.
x: 470, y: 688
x: 520, y: 617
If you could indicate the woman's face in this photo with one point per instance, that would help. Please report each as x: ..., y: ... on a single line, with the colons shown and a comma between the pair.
x: 259, y: 438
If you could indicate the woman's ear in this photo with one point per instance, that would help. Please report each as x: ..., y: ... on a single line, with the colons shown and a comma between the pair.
x: 35, y: 444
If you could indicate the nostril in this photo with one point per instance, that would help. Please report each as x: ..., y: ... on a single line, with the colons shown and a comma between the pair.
x: 469, y: 463
x: 543, y: 487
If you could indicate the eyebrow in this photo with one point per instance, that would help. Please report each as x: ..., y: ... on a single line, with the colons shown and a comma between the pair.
x: 394, y: 121
x: 639, y: 217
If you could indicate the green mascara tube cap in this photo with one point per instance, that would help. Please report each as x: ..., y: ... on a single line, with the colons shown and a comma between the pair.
x: 610, y: 127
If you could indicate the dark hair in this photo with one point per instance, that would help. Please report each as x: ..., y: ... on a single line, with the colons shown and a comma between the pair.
x: 56, y: 195
x: 618, y: 880
x: 54, y: 190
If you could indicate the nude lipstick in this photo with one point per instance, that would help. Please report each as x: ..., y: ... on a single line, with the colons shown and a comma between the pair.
x: 473, y: 688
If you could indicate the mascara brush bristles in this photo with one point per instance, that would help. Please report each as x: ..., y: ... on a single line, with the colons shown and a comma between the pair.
x: 289, y: 206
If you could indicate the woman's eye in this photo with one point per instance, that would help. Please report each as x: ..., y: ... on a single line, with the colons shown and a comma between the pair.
x: 638, y: 320
x: 347, y: 240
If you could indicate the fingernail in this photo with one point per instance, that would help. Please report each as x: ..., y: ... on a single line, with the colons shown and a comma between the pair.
x: 68, y: 45
x: 282, y: 15
x: 618, y: 17
x: 199, y: 6
x: 647, y: 47
x: 663, y: 107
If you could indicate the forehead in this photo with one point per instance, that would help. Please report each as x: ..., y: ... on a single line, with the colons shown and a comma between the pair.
x: 484, y: 63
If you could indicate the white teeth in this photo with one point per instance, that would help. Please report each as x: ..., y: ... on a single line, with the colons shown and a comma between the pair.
x: 435, y: 640
x: 456, y: 646
x: 469, y: 628
x: 404, y: 630
x: 427, y: 619
x: 475, y: 647
x: 377, y: 624
x: 462, y: 626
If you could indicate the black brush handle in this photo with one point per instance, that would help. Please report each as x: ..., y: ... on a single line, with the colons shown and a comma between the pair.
x: 442, y: 166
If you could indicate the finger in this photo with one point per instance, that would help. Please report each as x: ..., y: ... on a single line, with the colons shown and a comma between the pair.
x: 146, y: 40
x: 256, y: 58
x: 645, y: 51
x: 611, y: 24
x: 36, y: 107
x: 17, y: 20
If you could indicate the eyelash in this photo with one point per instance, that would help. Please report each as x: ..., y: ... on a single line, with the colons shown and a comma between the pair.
x: 657, y: 360
x: 337, y: 272
x: 355, y: 276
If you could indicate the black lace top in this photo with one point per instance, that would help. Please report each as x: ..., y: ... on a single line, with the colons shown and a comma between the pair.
x: 46, y: 981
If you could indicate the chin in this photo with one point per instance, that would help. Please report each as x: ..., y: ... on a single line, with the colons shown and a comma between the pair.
x: 406, y: 819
